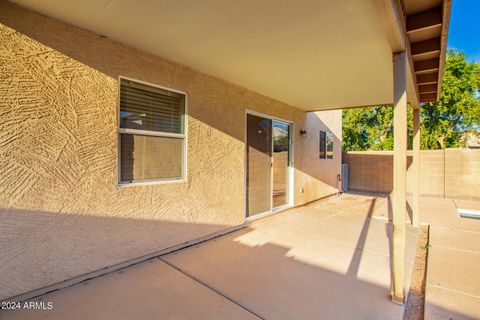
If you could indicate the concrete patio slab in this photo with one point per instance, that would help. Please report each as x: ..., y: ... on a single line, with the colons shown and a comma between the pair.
x: 359, y: 203
x: 329, y: 260
x: 465, y: 240
x: 451, y: 305
x: 149, y: 290
x: 303, y: 264
x: 439, y: 212
x: 453, y: 268
x: 347, y: 225
x: 467, y: 204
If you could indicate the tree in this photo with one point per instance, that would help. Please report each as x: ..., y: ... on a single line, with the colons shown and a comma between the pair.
x: 444, y: 124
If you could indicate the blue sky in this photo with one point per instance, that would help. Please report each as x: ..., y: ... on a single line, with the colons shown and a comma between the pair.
x: 464, y: 33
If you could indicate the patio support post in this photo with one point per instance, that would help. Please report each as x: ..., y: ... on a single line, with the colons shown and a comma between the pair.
x: 415, y: 167
x: 399, y: 203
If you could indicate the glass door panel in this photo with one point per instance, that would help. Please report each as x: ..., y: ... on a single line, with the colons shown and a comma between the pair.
x: 281, y: 163
x: 259, y: 165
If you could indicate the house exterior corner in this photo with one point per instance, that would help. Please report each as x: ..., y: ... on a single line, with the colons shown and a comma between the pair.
x: 63, y: 211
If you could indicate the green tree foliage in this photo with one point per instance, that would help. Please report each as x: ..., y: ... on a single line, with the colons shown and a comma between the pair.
x: 370, y: 128
x: 444, y: 124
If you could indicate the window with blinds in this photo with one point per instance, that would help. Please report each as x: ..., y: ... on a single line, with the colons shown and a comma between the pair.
x: 152, y: 133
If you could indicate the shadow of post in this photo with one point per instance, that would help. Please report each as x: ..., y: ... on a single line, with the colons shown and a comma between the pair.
x: 355, y: 262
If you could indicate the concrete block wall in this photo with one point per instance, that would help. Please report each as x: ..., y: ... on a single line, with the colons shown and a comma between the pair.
x: 362, y: 167
x: 432, y: 173
x: 462, y: 173
x: 450, y: 173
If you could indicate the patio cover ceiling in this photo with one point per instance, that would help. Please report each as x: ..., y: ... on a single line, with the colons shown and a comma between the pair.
x: 313, y: 54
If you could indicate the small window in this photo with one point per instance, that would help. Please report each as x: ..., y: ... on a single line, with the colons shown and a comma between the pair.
x: 326, y: 145
x: 152, y: 133
x: 323, y: 146
x: 329, y: 145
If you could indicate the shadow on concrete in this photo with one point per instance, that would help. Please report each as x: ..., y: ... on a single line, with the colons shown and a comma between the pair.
x: 267, y: 279
x: 355, y: 262
x: 409, y: 211
x: 76, y: 244
x: 264, y: 279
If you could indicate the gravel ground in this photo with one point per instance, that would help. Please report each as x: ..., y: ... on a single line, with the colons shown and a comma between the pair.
x: 416, y: 297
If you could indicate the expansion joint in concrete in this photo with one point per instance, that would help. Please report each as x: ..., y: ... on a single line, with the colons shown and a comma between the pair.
x: 213, y: 289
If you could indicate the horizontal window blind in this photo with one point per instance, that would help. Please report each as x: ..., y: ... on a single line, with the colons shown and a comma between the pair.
x: 152, y: 133
x: 147, y: 158
x: 149, y: 108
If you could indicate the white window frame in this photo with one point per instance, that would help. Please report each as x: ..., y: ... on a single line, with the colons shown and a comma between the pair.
x: 183, y: 136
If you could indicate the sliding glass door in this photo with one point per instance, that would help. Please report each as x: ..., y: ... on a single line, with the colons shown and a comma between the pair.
x: 259, y: 162
x: 281, y: 163
x: 268, y: 164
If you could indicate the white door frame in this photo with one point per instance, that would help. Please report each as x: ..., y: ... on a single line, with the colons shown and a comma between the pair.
x: 291, y: 170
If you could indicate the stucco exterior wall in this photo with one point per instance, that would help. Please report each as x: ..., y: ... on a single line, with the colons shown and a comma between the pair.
x: 62, y: 213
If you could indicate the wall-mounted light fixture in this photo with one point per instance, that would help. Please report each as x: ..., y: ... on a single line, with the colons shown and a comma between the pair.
x: 303, y: 134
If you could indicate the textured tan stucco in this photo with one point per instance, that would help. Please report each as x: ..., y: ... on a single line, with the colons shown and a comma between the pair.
x: 62, y: 213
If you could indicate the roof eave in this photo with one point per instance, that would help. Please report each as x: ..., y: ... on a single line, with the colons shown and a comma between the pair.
x: 447, y: 7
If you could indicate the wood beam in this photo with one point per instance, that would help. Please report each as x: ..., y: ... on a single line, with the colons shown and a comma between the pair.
x: 428, y: 88
x: 427, y: 46
x: 427, y: 97
x: 428, y: 78
x: 412, y: 87
x: 415, y: 167
x: 399, y: 204
x: 392, y: 10
x: 447, y: 8
x: 427, y: 65
x: 426, y: 19
x: 390, y: 18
